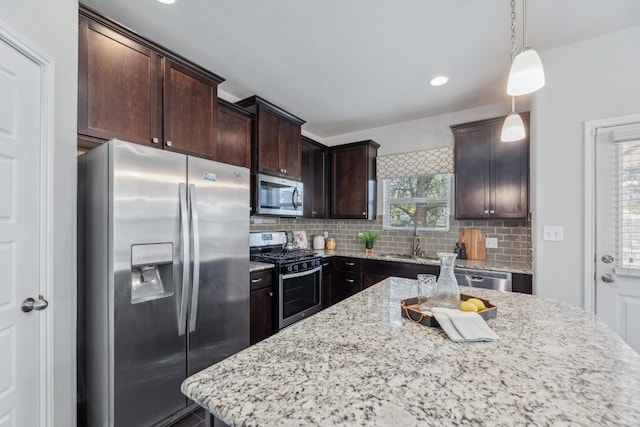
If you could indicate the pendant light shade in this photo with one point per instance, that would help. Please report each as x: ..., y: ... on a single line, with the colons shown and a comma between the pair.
x: 526, y: 74
x: 513, y: 128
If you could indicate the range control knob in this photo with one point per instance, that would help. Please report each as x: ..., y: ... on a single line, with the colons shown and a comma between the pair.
x: 304, y: 265
x: 295, y: 267
x: 290, y: 268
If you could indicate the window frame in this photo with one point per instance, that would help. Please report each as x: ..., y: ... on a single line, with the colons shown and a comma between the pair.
x: 437, y: 201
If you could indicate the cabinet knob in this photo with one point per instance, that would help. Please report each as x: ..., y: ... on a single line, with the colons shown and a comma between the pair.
x: 169, y: 143
x: 270, y: 294
x: 486, y: 211
x: 284, y: 170
x: 364, y: 213
x: 313, y: 213
x: 492, y: 211
x: 155, y: 140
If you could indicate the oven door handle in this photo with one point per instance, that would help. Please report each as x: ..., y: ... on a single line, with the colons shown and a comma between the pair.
x: 302, y: 273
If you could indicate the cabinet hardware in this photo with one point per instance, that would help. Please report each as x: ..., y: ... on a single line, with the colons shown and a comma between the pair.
x: 270, y: 294
x: 285, y: 171
x: 364, y: 213
x: 486, y: 211
x: 325, y: 264
x: 350, y: 263
x: 155, y: 140
x: 349, y: 280
x: 259, y: 279
x: 169, y: 143
x: 313, y: 213
x: 492, y: 211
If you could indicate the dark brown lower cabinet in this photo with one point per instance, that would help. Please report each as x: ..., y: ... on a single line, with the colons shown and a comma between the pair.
x: 261, y: 306
x: 376, y: 271
x: 522, y: 283
x: 346, y: 278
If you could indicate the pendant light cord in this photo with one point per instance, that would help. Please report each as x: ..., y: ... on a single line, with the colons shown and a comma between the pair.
x: 513, y: 29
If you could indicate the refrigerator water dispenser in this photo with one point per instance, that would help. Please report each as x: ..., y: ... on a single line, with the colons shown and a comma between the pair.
x: 151, y: 272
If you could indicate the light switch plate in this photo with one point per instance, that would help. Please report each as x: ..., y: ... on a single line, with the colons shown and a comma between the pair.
x: 491, y: 242
x: 553, y: 233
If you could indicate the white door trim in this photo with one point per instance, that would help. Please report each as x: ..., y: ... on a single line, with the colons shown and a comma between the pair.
x: 590, y: 129
x: 14, y: 39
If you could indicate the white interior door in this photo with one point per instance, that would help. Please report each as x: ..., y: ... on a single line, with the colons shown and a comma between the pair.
x: 617, y: 212
x: 20, y: 332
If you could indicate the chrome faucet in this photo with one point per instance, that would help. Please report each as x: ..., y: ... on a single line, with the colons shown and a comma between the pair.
x: 417, y: 250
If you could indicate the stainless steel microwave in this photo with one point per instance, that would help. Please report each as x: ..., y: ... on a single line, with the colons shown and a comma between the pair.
x: 278, y: 196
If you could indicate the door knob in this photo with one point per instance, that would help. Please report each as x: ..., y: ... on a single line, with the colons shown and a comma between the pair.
x: 31, y: 304
x: 607, y: 259
x: 608, y: 278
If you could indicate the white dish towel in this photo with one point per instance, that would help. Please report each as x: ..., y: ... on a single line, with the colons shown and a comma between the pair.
x: 463, y: 326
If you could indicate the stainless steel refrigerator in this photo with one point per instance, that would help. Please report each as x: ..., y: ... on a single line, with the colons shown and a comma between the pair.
x: 165, y: 276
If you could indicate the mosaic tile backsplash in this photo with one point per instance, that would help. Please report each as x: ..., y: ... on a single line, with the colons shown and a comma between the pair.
x: 514, y: 237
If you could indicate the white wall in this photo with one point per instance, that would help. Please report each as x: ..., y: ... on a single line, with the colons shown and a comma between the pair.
x: 52, y: 26
x: 590, y: 80
x: 425, y: 133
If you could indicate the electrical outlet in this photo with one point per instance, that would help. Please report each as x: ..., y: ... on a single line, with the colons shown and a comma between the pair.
x: 553, y: 233
x: 491, y: 242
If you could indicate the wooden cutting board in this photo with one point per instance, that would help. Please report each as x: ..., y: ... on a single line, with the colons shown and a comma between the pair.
x: 475, y: 242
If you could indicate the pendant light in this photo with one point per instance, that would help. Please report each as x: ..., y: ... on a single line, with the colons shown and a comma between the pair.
x: 513, y: 127
x: 526, y: 74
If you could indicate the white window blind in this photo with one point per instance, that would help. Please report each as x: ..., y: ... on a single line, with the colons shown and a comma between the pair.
x: 628, y: 198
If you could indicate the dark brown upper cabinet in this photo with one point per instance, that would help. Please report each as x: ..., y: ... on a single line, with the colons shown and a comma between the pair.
x: 276, y: 138
x: 315, y: 177
x: 234, y: 134
x: 492, y: 177
x: 132, y: 89
x: 353, y: 180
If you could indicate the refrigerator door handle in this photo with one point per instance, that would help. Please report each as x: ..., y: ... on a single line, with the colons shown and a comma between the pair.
x: 184, y: 228
x: 195, y: 288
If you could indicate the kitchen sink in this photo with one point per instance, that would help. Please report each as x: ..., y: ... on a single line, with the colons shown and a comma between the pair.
x: 403, y: 256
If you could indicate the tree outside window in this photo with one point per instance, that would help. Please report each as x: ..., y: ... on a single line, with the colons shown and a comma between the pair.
x: 421, y: 200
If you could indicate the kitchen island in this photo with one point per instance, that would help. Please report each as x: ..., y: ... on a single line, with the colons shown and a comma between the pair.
x: 360, y: 363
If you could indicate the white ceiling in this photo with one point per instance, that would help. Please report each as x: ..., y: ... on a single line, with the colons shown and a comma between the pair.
x: 348, y: 65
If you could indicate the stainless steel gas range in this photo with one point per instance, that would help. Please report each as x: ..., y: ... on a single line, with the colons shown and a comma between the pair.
x: 297, y: 275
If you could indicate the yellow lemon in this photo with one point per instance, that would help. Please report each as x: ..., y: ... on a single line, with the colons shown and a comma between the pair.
x: 468, y: 306
x: 478, y: 303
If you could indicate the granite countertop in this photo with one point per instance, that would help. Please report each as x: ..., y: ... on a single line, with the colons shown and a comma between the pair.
x: 257, y: 266
x: 461, y: 263
x: 360, y: 363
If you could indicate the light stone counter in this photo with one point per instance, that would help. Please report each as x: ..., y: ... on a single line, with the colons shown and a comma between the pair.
x: 257, y: 266
x: 461, y: 263
x: 360, y: 363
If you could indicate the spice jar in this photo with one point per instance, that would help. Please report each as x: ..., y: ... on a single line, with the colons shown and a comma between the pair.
x: 331, y: 243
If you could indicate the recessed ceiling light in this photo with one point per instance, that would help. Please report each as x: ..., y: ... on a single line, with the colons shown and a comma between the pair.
x: 439, y: 80
x: 167, y: 1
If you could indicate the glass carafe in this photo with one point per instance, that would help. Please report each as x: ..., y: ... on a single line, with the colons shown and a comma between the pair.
x: 447, y: 292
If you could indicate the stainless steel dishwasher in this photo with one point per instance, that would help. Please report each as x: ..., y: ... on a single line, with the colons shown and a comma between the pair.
x: 498, y: 280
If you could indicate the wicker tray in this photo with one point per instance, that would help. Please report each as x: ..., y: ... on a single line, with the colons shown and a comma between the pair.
x: 411, y: 311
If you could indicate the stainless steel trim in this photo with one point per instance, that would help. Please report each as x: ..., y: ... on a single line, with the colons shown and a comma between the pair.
x: 294, y: 198
x: 184, y: 225
x: 195, y: 285
x: 498, y: 280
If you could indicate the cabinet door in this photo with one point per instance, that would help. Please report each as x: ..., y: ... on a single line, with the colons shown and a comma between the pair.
x: 326, y: 283
x: 268, y: 141
x: 510, y: 177
x: 349, y: 183
x: 190, y: 106
x: 314, y: 163
x: 261, y: 315
x: 289, y: 149
x: 118, y: 86
x: 234, y: 138
x: 472, y: 172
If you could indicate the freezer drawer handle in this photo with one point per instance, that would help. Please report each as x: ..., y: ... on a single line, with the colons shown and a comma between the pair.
x: 184, y: 225
x: 195, y: 287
